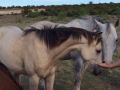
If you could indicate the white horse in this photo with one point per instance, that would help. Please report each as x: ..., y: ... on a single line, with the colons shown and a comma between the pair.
x: 36, y: 53
x: 109, y: 40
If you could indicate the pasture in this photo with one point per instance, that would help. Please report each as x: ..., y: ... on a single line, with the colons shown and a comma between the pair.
x: 109, y: 79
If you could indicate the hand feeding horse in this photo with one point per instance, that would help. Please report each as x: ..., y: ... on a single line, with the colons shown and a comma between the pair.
x: 36, y: 53
x: 7, y: 81
x: 109, y: 39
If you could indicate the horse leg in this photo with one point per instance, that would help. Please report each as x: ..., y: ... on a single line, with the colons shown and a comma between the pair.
x: 17, y: 77
x: 66, y: 57
x: 42, y: 83
x: 33, y: 82
x: 79, y: 68
x: 49, y: 82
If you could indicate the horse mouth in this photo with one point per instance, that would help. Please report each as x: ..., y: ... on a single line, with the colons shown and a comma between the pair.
x: 96, y: 70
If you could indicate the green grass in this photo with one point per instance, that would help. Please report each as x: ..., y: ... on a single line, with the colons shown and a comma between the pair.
x: 109, y: 79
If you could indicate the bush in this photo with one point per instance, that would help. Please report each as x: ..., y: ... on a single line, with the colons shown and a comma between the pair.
x: 61, y: 15
x: 116, y: 11
x: 43, y: 13
x: 26, y: 11
x: 82, y: 11
x: 52, y: 12
x: 70, y: 13
x: 33, y: 14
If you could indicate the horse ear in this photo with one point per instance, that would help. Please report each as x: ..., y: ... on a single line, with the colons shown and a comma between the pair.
x: 94, y: 30
x: 116, y: 23
x: 100, y: 24
x: 98, y: 35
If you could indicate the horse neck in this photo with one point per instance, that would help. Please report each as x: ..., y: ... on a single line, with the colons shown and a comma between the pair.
x: 74, y: 23
x: 80, y: 23
x: 67, y: 46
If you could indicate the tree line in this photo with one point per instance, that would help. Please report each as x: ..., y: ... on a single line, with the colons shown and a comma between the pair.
x: 71, y: 10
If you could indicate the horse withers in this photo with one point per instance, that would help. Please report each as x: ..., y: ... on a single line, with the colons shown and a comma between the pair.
x: 36, y: 53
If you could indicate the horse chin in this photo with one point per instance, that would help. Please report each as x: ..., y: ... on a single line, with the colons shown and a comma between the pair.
x: 96, y: 70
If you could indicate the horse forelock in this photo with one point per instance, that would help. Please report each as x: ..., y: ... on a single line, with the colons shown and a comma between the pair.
x: 5, y: 70
x: 108, y: 29
x: 53, y: 37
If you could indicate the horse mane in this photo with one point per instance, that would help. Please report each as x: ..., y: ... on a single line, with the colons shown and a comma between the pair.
x: 4, y: 69
x: 85, y: 17
x: 54, y: 37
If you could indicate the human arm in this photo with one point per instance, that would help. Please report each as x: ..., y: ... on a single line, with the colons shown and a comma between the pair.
x: 113, y: 65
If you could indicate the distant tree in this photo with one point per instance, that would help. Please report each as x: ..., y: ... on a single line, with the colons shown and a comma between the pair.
x: 12, y: 6
x: 8, y: 7
x: 18, y: 6
x: 90, y: 2
x: 25, y: 11
x: 3, y: 8
x: 111, y: 2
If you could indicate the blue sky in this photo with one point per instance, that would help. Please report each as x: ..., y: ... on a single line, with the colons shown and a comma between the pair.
x: 50, y: 2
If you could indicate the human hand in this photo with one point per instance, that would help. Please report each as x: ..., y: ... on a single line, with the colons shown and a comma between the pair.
x: 105, y: 65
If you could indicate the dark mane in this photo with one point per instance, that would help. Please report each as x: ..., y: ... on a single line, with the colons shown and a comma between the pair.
x: 4, y: 69
x: 53, y: 37
x: 85, y: 17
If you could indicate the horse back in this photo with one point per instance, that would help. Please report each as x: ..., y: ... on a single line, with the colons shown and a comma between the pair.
x: 40, y: 24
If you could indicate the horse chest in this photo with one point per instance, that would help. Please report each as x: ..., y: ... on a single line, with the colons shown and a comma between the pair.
x: 48, y: 70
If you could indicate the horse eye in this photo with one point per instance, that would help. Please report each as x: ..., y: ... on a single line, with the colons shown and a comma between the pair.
x: 98, y: 51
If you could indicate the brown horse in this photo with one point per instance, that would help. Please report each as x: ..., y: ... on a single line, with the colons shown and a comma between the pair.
x: 7, y: 81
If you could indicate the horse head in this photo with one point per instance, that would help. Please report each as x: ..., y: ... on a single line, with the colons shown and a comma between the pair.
x: 95, y: 51
x: 109, y: 39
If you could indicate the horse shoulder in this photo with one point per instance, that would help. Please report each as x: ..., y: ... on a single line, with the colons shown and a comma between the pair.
x: 35, y: 58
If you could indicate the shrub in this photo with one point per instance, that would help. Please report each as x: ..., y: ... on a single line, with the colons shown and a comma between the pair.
x: 61, y: 15
x: 82, y: 11
x: 70, y: 13
x: 33, y: 14
x: 43, y: 13
x: 116, y: 11
x: 52, y: 12
x: 26, y: 11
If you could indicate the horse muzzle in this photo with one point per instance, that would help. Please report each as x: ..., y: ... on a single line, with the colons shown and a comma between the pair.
x: 96, y: 70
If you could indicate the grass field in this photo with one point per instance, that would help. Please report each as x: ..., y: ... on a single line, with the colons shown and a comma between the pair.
x: 109, y: 79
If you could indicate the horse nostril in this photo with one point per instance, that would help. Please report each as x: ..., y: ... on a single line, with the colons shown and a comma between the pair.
x: 103, y: 61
